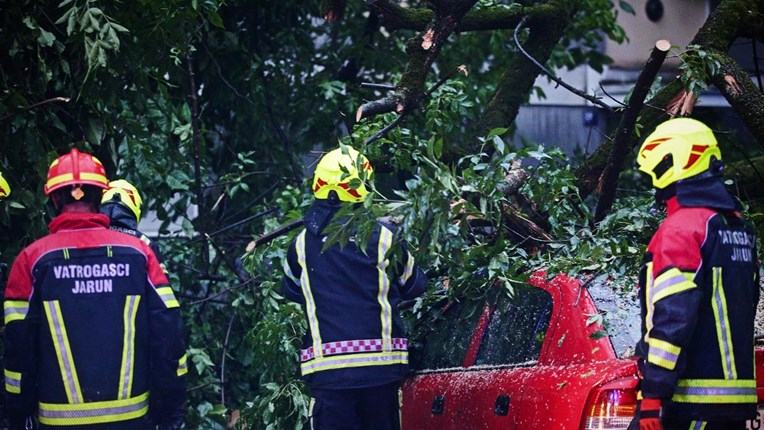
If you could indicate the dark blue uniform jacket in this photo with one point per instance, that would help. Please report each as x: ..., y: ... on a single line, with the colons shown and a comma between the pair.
x: 355, y: 335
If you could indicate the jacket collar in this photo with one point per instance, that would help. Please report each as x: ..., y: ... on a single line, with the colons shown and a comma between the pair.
x: 78, y: 221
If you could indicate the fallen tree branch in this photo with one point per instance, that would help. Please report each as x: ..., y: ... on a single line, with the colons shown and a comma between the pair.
x: 620, y: 147
x: 377, y: 107
x: 551, y: 75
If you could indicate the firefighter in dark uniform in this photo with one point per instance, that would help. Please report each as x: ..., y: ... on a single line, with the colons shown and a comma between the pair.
x: 122, y: 203
x: 93, y: 335
x: 699, y: 289
x: 354, y: 353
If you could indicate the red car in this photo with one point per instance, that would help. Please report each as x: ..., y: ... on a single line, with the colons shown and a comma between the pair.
x: 539, y: 361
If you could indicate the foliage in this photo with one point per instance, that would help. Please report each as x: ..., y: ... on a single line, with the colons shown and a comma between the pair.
x: 697, y: 66
x: 214, y: 110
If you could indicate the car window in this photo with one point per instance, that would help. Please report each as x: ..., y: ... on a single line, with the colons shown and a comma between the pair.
x: 517, y: 329
x: 621, y: 316
x: 447, y: 339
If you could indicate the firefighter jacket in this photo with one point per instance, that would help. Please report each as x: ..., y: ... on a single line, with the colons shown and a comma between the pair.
x: 93, y: 334
x: 123, y: 220
x: 699, y: 289
x: 355, y: 336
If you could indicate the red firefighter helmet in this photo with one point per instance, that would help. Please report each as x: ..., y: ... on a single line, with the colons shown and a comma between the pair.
x: 75, y: 168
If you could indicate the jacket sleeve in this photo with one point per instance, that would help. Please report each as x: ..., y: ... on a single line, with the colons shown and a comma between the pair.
x: 673, y: 300
x: 291, y: 281
x: 21, y: 333
x: 168, y: 349
x: 411, y: 279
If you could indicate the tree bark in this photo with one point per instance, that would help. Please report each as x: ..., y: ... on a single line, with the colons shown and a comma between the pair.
x: 546, y: 27
x: 619, y: 149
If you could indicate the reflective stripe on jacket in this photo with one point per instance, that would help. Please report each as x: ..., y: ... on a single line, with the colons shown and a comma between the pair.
x: 355, y: 336
x: 699, y: 293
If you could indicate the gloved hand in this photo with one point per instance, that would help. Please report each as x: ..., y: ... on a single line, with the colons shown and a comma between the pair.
x: 650, y: 414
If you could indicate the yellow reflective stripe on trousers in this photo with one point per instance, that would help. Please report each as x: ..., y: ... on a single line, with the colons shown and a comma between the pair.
x: 311, y: 406
x: 183, y: 365
x: 671, y: 282
x: 63, y: 351
x: 383, y: 287
x: 698, y: 425
x: 15, y: 310
x: 722, y: 325
x: 662, y: 353
x: 722, y: 391
x: 168, y: 297
x: 128, y: 346
x: 12, y: 381
x: 354, y: 360
x: 93, y: 412
x: 310, y: 304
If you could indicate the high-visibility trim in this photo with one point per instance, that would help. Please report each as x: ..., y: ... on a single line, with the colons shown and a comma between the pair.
x: 109, y: 252
x: 671, y: 282
x: 145, y: 239
x: 354, y: 360
x: 408, y: 270
x: 354, y: 346
x: 183, y: 365
x: 288, y: 272
x: 128, y: 346
x: 12, y: 381
x: 698, y: 425
x: 722, y: 325
x: 94, y: 412
x: 662, y: 353
x: 167, y: 296
x: 63, y: 351
x: 311, y: 405
x: 65, y: 251
x: 305, y: 285
x: 14, y: 310
x: 383, y: 287
x: 721, y: 391
x: 84, y: 176
x: 649, y: 303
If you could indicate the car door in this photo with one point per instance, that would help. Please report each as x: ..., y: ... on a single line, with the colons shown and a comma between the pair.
x: 430, y: 397
x: 509, y: 350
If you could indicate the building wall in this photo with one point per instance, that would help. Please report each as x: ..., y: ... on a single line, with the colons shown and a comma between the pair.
x: 679, y: 23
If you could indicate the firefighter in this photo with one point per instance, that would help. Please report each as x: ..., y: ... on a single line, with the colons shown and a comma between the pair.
x: 93, y: 335
x: 354, y: 354
x: 699, y: 289
x: 122, y: 203
x: 5, y: 189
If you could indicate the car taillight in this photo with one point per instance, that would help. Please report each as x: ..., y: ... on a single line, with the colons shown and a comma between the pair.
x: 611, y: 406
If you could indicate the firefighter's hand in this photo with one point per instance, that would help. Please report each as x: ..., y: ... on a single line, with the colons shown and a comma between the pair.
x: 650, y: 414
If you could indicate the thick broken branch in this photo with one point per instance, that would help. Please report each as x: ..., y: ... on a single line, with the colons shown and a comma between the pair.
x: 394, y: 17
x: 742, y: 94
x: 377, y: 107
x: 620, y: 147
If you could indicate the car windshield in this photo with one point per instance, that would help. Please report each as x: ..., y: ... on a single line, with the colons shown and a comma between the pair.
x: 621, y: 316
